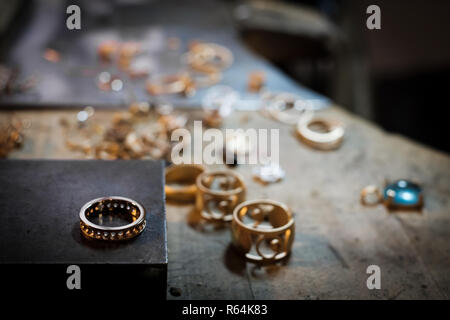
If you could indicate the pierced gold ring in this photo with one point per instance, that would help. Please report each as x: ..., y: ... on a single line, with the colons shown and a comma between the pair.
x: 219, y: 192
x: 263, y: 230
x: 184, y: 175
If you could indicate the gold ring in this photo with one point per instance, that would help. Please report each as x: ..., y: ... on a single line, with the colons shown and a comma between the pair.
x: 97, y: 213
x: 331, y: 139
x: 219, y: 192
x: 185, y: 175
x: 371, y: 195
x: 263, y: 230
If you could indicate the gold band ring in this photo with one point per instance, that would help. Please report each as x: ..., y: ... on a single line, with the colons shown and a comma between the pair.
x: 219, y: 192
x: 185, y: 175
x: 263, y: 230
x: 331, y: 139
x: 93, y: 216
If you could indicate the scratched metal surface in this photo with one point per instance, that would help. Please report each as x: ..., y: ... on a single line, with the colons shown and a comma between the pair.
x: 72, y: 81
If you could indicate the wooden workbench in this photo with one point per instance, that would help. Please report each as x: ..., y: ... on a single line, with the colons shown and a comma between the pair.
x: 336, y: 237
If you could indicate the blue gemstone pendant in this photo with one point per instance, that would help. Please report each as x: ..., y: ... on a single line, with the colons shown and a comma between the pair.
x: 403, y: 194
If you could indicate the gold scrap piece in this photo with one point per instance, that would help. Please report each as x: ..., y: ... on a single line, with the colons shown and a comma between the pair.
x: 11, y: 136
x: 256, y: 81
x: 107, y: 50
x: 171, y: 84
x: 52, y: 55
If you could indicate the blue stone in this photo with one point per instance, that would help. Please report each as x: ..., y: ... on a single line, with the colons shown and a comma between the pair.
x: 403, y: 193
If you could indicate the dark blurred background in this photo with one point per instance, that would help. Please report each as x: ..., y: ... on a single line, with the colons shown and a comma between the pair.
x: 395, y: 77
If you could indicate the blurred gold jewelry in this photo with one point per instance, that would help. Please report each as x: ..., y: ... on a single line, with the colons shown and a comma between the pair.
x: 218, y: 193
x: 213, y: 119
x: 11, y: 135
x: 400, y: 194
x: 331, y: 139
x: 170, y: 84
x: 256, y: 81
x: 107, y: 50
x: 209, y: 57
x: 284, y: 108
x: 186, y: 175
x: 371, y: 195
x: 112, y: 207
x: 263, y: 230
x: 203, y: 80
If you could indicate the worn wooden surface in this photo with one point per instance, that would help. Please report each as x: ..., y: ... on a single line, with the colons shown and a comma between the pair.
x: 336, y: 237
